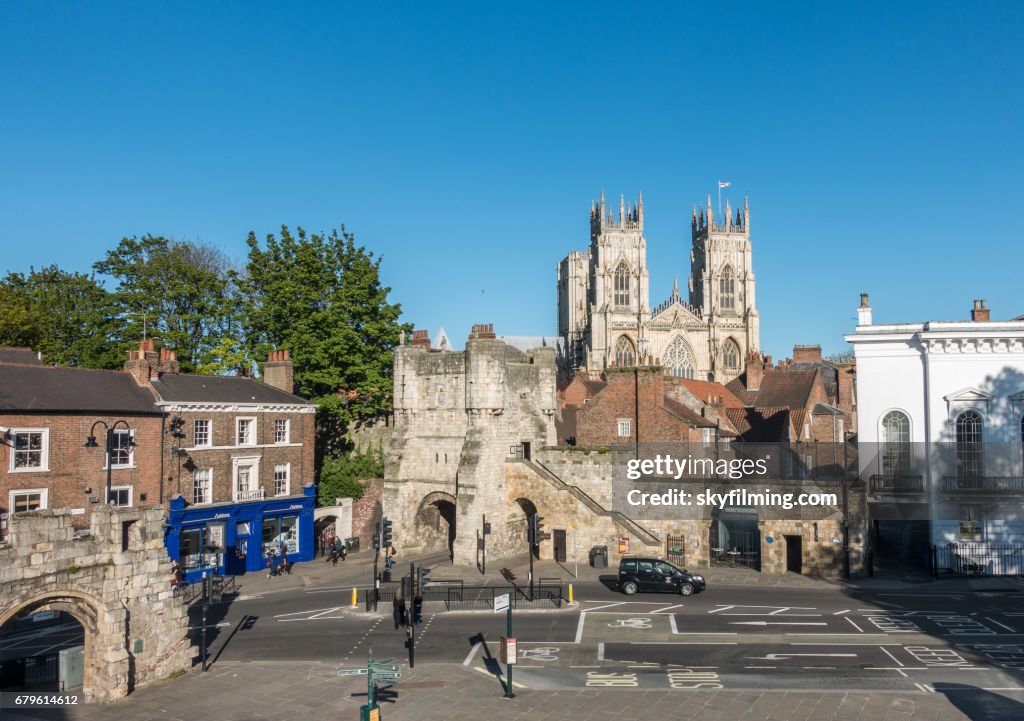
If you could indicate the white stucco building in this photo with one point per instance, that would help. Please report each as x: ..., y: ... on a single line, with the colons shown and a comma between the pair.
x: 941, y: 424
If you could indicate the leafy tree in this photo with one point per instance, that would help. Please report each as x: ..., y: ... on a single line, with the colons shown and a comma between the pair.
x: 320, y: 296
x: 342, y: 475
x: 67, y: 317
x: 180, y: 292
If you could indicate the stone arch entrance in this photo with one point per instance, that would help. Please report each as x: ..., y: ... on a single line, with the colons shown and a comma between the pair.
x: 435, y: 522
x: 99, y: 675
x: 528, y: 508
x: 324, y: 528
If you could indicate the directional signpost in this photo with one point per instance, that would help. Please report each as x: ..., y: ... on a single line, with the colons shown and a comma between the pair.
x: 504, y: 603
x: 375, y: 671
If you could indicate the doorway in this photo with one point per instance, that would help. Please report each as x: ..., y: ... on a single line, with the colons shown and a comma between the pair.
x: 795, y: 554
x: 558, y: 537
x: 526, y: 450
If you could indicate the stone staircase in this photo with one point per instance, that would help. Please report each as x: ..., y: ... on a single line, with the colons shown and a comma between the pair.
x: 622, y: 520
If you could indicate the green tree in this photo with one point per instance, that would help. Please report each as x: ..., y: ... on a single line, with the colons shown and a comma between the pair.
x: 342, y: 475
x: 181, y: 293
x: 320, y: 296
x: 67, y: 317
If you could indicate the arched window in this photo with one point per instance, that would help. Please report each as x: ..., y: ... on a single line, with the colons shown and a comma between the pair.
x: 727, y: 289
x: 678, y: 359
x: 968, y: 444
x: 895, y: 444
x: 730, y: 355
x: 623, y: 353
x: 622, y: 285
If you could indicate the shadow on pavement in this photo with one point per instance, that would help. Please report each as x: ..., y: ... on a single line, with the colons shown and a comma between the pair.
x: 980, y: 705
x: 244, y: 624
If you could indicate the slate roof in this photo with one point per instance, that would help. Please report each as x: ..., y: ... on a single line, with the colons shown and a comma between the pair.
x: 38, y: 388
x: 14, y: 354
x: 680, y: 411
x: 183, y: 388
x: 738, y: 387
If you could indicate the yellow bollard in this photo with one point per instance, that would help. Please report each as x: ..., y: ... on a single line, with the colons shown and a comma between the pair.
x: 355, y: 597
x: 570, y: 593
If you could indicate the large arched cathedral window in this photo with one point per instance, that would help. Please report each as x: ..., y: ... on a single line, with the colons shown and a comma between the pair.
x: 727, y: 289
x: 623, y: 353
x: 622, y: 285
x: 678, y: 359
x: 730, y: 355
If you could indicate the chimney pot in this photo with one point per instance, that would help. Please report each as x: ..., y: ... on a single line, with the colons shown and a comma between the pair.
x: 980, y: 312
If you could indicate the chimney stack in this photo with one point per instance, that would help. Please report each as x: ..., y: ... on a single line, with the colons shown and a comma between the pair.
x: 145, y: 364
x: 421, y: 339
x: 807, y: 354
x: 279, y: 371
x: 864, y: 311
x: 980, y: 311
x: 482, y: 331
x: 755, y: 371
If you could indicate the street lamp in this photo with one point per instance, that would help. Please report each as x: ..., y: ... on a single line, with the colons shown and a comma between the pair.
x: 110, y: 430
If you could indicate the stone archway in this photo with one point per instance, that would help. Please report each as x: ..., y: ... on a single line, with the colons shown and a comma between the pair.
x: 520, y: 540
x: 435, y: 522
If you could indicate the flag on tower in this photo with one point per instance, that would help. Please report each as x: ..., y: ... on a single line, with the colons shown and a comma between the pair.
x: 723, y: 184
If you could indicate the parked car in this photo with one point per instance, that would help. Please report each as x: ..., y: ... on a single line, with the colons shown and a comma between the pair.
x: 656, y: 575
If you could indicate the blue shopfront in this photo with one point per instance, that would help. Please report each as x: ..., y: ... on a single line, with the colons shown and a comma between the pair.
x: 233, y: 538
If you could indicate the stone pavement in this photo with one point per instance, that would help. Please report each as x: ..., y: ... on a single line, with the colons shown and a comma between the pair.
x: 269, y: 691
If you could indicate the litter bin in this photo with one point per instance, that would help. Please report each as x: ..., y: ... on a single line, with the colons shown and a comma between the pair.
x: 599, y: 557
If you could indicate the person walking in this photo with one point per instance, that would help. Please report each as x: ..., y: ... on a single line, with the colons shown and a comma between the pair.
x: 270, y: 563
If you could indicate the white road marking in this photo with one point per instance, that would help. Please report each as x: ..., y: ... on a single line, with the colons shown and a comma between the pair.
x: 723, y: 608
x: 472, y: 652
x: 579, y: 627
x: 607, y: 605
x: 854, y: 624
x: 784, y: 656
x: 661, y: 610
x: 896, y: 660
x: 1011, y: 630
x: 315, y: 610
x: 600, y: 652
x: 516, y: 684
x: 840, y: 613
x: 777, y: 623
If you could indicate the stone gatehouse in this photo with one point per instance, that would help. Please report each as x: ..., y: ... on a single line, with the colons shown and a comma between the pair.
x: 115, y: 581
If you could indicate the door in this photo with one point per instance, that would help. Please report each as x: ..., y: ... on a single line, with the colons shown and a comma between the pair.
x: 795, y: 554
x: 526, y: 450
x: 558, y: 537
x: 645, y: 576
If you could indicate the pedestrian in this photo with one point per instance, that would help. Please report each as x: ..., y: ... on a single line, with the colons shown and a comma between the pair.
x: 334, y: 556
x: 339, y: 548
x: 270, y: 563
x: 398, y: 611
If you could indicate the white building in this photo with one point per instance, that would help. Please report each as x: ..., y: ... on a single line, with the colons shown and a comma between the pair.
x: 941, y: 429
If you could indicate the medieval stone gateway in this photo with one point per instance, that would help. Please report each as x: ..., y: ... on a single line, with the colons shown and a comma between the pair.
x: 115, y: 582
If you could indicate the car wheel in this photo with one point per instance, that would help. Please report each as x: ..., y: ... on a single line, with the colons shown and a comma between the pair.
x: 686, y: 589
x: 629, y: 588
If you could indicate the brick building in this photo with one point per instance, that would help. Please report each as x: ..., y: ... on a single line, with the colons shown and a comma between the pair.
x: 241, y: 462
x: 47, y: 415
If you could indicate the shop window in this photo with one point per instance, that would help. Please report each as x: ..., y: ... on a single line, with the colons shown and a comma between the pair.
x: 279, y: 530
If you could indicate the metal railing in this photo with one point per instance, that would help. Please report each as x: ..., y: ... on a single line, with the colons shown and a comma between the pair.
x: 983, y: 484
x: 961, y: 559
x: 897, y: 483
x: 457, y: 595
x: 253, y: 495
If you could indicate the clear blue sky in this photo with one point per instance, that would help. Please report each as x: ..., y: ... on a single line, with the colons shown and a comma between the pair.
x: 880, y: 143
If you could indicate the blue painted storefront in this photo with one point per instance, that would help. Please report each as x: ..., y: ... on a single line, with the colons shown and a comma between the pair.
x: 243, y: 531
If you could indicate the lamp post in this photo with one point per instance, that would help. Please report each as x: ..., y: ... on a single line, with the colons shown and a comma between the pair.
x: 111, y: 430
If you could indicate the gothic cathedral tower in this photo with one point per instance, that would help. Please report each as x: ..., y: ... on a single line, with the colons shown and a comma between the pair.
x: 722, y: 287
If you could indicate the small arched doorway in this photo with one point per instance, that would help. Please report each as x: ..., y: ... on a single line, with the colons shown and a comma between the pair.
x: 325, y: 529
x: 435, y: 522
x: 49, y: 645
x: 528, y: 508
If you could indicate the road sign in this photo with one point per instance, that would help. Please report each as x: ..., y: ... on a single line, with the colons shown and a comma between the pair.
x: 381, y: 668
x: 508, y: 650
x: 502, y: 602
x: 353, y: 672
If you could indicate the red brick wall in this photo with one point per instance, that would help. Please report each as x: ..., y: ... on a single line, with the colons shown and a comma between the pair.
x: 597, y: 421
x: 72, y: 468
x: 575, y: 393
x: 224, y: 448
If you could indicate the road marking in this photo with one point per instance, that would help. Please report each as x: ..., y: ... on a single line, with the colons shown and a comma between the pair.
x: 896, y: 660
x: 784, y: 656
x: 724, y: 608
x: 190, y: 628
x: 1011, y: 630
x: 777, y: 623
x: 661, y: 610
x: 840, y: 613
x: 485, y: 672
x: 600, y: 652
x: 689, y: 643
x: 854, y: 624
x: 472, y: 652
x: 316, y: 610
x: 579, y: 627
x: 631, y: 623
x: 607, y: 605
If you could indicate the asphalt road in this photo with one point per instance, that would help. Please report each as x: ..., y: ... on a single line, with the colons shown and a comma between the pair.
x: 731, y: 637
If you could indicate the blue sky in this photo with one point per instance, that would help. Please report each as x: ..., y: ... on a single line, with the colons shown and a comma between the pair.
x: 880, y: 143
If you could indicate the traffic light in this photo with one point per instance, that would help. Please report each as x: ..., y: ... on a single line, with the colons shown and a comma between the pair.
x: 385, y: 533
x: 417, y: 610
x: 536, y: 532
x: 377, y: 535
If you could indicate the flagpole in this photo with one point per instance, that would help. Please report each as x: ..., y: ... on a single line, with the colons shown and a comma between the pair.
x: 719, y: 198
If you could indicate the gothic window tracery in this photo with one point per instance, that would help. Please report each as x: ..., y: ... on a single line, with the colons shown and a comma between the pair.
x: 624, y: 352
x: 621, y: 285
x: 678, y: 359
x: 730, y: 355
x: 727, y: 289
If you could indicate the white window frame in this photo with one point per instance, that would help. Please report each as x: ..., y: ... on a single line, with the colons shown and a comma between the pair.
x: 706, y: 437
x: 209, y: 486
x: 130, y: 432
x: 131, y: 493
x: 624, y: 424
x: 287, y: 431
x: 44, y: 455
x: 287, y: 478
x: 252, y: 430
x: 44, y: 497
x: 237, y: 463
x: 209, y: 432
